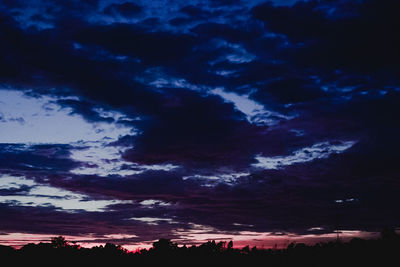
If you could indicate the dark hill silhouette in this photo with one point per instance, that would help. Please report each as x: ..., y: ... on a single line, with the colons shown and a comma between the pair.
x: 384, y: 251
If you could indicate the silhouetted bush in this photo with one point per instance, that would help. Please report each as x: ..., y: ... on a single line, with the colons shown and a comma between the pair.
x: 59, y: 252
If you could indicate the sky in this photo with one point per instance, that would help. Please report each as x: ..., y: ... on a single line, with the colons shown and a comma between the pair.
x: 259, y: 122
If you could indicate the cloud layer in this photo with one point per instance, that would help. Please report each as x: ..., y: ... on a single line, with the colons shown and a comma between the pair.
x: 127, y: 121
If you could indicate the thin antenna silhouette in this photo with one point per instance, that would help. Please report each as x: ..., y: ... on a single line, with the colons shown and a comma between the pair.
x: 337, y: 235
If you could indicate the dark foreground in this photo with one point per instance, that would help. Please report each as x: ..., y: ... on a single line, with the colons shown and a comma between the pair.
x: 358, y: 252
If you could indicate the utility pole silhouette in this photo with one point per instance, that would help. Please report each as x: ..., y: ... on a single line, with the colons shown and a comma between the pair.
x: 337, y: 221
x: 337, y: 234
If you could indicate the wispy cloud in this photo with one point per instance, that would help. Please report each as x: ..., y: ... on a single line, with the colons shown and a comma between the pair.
x: 48, y: 196
x: 317, y: 151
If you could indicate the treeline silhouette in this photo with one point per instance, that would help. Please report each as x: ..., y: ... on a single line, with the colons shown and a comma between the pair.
x: 384, y: 251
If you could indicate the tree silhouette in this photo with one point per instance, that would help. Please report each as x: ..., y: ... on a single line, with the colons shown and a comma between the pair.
x: 358, y: 252
x: 59, y: 242
x: 230, y: 245
x: 164, y: 245
x: 389, y: 234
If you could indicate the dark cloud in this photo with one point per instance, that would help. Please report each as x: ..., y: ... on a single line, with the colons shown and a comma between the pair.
x: 290, y: 90
x: 360, y: 36
x: 19, y: 120
x: 136, y: 42
x: 125, y: 9
x: 178, y: 21
x: 84, y: 108
x: 49, y: 158
x: 227, y: 32
x: 194, y: 11
x: 329, y: 66
x: 15, y: 191
x: 188, y: 131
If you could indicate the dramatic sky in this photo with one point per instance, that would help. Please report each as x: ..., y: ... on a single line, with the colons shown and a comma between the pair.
x: 262, y: 122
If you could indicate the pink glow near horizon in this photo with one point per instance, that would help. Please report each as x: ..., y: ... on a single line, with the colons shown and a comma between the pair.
x: 260, y: 240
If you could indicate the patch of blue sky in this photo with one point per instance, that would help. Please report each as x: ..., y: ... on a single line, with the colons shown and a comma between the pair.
x: 255, y: 112
x: 44, y: 121
x: 40, y: 195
